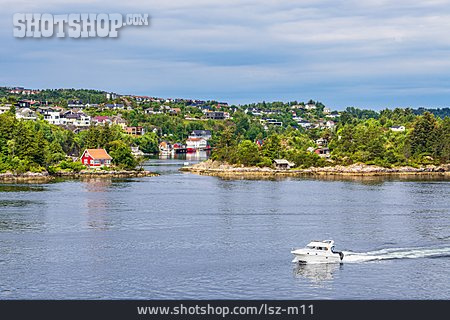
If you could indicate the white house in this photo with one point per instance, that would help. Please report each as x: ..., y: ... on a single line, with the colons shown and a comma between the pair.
x: 78, y: 119
x: 330, y: 124
x: 26, y: 114
x: 52, y: 117
x: 397, y: 128
x: 304, y: 124
x: 194, y: 144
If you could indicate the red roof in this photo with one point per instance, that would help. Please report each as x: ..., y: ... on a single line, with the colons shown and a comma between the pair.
x: 101, y: 118
x: 98, y: 154
x: 195, y: 139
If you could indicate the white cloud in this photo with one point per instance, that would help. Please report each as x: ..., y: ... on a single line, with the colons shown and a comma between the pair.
x: 235, y: 46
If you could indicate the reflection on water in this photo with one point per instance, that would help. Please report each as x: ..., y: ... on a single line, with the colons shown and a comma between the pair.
x: 191, y: 156
x: 317, y: 272
x: 9, y: 225
x: 366, y: 180
x: 9, y: 187
x: 97, y: 203
x: 181, y: 235
x: 17, y: 203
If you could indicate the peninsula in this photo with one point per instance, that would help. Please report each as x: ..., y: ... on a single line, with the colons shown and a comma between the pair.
x: 46, y: 133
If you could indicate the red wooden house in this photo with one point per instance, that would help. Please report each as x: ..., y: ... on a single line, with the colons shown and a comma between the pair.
x: 96, y: 158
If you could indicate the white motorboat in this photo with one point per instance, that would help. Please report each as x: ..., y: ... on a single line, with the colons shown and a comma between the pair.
x: 318, y: 252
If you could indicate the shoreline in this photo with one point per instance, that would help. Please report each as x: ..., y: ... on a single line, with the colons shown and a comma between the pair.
x: 88, y: 174
x: 218, y: 169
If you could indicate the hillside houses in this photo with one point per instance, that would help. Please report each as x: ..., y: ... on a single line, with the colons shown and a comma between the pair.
x: 26, y: 114
x: 71, y: 118
x: 109, y: 120
x: 80, y: 113
x: 59, y: 116
x: 23, y: 91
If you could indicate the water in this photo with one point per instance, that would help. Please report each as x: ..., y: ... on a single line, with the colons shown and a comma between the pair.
x: 181, y: 235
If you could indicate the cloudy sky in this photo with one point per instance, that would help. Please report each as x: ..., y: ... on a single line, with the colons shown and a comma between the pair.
x: 373, y: 53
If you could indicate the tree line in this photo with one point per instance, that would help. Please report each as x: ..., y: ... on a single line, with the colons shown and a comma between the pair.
x: 38, y: 146
x: 357, y: 138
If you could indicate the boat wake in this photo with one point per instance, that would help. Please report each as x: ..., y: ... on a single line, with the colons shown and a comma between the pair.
x: 395, y: 253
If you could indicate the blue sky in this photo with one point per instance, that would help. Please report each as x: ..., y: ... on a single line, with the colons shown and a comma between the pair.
x: 373, y: 53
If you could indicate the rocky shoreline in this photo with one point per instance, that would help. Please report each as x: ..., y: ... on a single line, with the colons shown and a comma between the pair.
x: 88, y: 174
x: 215, y: 168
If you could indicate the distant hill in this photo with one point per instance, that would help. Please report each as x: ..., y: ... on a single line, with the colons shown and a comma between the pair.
x: 85, y: 95
x: 441, y: 113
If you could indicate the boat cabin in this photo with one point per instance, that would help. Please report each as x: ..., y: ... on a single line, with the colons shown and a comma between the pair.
x: 324, y: 245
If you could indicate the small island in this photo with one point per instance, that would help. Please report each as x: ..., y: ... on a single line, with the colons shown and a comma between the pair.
x: 356, y: 147
x: 93, y: 163
x: 225, y: 170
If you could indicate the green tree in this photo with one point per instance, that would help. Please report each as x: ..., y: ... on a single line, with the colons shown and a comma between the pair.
x: 272, y: 147
x: 148, y: 143
x: 226, y: 146
x: 248, y: 153
x: 121, y: 155
x: 423, y: 135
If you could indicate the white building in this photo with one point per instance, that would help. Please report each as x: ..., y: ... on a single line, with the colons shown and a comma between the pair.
x: 194, y: 144
x: 397, y: 128
x: 330, y: 124
x: 304, y: 124
x: 52, y: 117
x: 26, y: 114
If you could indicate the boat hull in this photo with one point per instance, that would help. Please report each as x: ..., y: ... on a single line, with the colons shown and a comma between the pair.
x: 312, y: 258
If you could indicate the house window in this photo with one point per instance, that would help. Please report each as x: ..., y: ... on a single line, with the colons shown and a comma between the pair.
x: 92, y: 161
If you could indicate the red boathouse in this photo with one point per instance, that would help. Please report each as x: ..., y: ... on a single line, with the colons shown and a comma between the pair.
x: 96, y: 158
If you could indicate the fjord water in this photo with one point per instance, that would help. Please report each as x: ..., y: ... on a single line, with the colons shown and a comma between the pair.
x: 181, y: 235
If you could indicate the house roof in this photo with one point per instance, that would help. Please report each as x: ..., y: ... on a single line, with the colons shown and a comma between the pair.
x: 201, y: 132
x: 73, y: 116
x: 281, y: 161
x: 194, y: 139
x: 101, y: 118
x: 98, y: 154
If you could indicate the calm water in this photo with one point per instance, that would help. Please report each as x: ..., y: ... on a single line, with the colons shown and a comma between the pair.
x: 187, y: 236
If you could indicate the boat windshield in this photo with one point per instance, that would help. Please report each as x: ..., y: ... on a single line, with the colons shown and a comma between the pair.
x: 317, y: 248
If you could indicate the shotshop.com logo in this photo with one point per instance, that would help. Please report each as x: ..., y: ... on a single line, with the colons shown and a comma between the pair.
x: 74, y: 25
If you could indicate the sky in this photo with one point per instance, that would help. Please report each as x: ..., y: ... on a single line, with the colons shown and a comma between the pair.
x: 368, y: 54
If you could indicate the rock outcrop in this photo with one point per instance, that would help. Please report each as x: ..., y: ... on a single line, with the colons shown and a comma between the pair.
x: 217, y: 168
